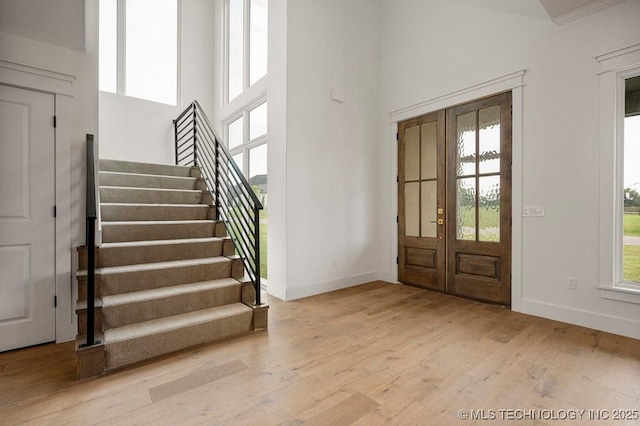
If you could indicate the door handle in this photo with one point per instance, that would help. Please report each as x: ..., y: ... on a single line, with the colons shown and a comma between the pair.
x: 440, y: 221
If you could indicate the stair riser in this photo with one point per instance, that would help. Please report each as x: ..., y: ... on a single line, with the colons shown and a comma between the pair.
x: 147, y: 169
x: 146, y: 181
x: 82, y: 321
x: 112, y: 233
x: 132, y: 313
x: 119, y: 256
x: 150, y: 212
x: 82, y: 288
x: 119, y: 354
x: 148, y: 196
x: 120, y: 281
x: 141, y: 280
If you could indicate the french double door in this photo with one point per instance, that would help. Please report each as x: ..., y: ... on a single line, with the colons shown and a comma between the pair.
x: 454, y: 200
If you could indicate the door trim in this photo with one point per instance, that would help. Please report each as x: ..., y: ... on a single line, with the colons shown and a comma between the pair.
x: 513, y: 82
x: 57, y: 71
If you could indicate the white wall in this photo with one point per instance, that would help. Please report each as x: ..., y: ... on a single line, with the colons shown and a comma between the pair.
x: 60, y: 22
x: 139, y: 130
x: 332, y: 149
x: 431, y: 48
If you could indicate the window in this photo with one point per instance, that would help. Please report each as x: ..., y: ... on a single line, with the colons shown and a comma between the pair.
x: 619, y: 77
x: 139, y: 49
x: 631, y: 183
x: 247, y: 44
x: 247, y: 137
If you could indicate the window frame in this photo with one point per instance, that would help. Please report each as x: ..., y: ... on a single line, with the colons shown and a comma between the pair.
x: 247, y: 143
x: 614, y: 69
x: 121, y: 53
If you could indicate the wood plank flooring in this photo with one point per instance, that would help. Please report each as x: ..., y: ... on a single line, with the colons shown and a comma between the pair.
x: 368, y: 355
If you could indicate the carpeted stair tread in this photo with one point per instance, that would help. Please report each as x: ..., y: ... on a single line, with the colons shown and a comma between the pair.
x: 156, y: 222
x: 145, y: 305
x: 114, y: 232
x: 129, y: 194
x: 112, y: 212
x: 143, y: 188
x: 156, y: 266
x: 166, y: 292
x: 153, y: 251
x: 133, y: 343
x: 146, y: 243
x: 142, y: 180
x: 146, y: 168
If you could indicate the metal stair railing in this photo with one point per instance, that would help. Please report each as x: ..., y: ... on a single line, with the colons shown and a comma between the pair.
x: 197, y: 144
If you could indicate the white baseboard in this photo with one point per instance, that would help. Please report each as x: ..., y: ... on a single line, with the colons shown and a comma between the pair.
x: 610, y: 324
x: 325, y: 287
x: 388, y: 277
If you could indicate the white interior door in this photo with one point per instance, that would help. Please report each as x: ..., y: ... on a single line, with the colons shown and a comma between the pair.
x: 27, y: 225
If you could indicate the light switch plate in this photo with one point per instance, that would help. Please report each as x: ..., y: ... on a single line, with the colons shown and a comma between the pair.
x: 533, y: 211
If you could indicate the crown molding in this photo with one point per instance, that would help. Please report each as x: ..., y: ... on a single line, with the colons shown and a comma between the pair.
x: 585, y: 10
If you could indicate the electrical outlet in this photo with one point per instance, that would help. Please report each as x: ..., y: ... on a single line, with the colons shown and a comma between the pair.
x: 334, y: 262
x: 572, y: 283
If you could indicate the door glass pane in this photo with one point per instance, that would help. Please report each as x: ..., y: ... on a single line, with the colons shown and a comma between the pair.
x: 236, y: 48
x: 258, y: 41
x: 489, y: 208
x: 108, y: 55
x: 412, y: 153
x: 466, y: 209
x: 489, y: 120
x: 466, y: 141
x: 412, y: 209
x: 235, y: 132
x: 258, y: 121
x: 429, y: 151
x: 631, y: 183
x: 152, y: 50
x: 259, y: 183
x: 428, y: 210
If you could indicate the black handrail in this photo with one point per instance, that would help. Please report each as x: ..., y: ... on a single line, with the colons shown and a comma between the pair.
x: 92, y: 216
x: 197, y: 144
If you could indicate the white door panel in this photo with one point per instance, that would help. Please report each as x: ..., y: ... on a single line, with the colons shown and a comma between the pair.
x: 27, y: 227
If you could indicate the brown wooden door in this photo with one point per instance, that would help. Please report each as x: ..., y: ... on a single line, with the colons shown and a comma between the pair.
x: 462, y: 180
x: 421, y: 201
x: 479, y: 199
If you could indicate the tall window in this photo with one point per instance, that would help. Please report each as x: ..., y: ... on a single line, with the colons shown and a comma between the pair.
x: 247, y: 40
x: 247, y: 136
x: 139, y: 49
x: 631, y: 182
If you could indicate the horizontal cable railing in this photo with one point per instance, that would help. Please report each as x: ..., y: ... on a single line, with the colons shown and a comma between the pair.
x: 197, y: 144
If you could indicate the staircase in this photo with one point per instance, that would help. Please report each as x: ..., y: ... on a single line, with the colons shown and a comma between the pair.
x: 167, y: 277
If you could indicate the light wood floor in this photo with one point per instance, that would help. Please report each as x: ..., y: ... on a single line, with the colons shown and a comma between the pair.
x: 372, y: 354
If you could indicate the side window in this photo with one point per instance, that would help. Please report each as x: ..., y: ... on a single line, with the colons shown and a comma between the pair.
x: 631, y: 182
x: 619, y: 174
